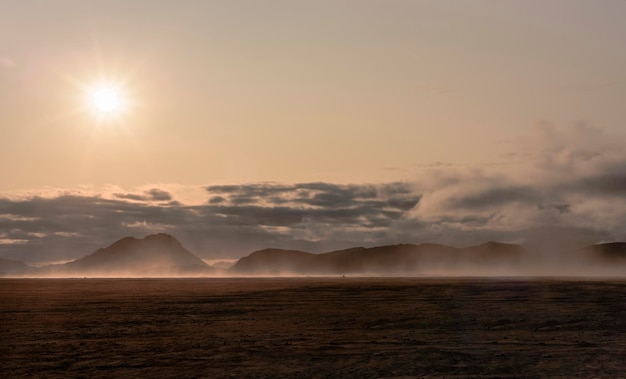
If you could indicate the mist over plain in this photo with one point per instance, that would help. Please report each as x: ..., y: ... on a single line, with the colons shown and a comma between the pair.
x: 162, y: 255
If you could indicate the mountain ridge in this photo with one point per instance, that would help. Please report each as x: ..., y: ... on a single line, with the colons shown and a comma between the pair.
x: 154, y: 255
x: 162, y: 254
x: 387, y: 259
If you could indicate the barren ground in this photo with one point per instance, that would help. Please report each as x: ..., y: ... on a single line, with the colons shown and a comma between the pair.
x: 312, y: 327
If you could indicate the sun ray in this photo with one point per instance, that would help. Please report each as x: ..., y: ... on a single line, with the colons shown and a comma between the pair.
x: 106, y: 100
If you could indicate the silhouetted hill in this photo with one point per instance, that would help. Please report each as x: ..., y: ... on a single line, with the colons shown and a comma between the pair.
x: 10, y: 267
x: 163, y: 255
x: 275, y: 261
x: 392, y: 259
x: 612, y: 252
x: 155, y: 255
x: 490, y: 251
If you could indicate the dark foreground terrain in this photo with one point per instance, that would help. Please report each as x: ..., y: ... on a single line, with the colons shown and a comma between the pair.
x: 348, y: 328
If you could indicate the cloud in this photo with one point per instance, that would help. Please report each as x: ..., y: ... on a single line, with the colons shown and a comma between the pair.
x: 232, y: 221
x: 613, y: 184
x: 567, y: 189
x: 570, y: 180
x: 8, y: 241
x: 153, y: 194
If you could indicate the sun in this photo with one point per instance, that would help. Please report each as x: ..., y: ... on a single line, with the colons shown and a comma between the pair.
x: 106, y: 100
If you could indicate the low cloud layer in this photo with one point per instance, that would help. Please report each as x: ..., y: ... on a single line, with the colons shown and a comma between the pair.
x: 232, y: 221
x: 559, y: 188
x: 565, y: 186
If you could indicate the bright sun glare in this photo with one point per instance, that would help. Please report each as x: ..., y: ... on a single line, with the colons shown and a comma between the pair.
x: 106, y: 100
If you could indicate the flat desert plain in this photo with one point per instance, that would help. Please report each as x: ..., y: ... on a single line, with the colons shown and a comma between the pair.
x: 312, y: 328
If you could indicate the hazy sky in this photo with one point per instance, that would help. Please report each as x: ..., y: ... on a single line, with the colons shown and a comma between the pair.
x: 337, y: 122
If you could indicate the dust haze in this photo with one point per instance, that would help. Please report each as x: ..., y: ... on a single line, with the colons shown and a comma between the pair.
x: 162, y: 255
x: 553, y: 190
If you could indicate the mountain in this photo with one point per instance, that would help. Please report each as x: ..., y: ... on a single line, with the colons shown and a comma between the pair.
x: 10, y: 267
x: 613, y: 252
x: 155, y: 255
x: 163, y: 255
x: 275, y: 261
x: 390, y: 260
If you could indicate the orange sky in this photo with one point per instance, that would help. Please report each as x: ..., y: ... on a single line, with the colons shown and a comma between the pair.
x: 296, y: 91
x: 341, y: 122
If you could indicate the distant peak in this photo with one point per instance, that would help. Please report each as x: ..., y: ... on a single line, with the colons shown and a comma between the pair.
x: 123, y: 242
x: 162, y: 239
x: 490, y: 243
x: 160, y: 236
x: 614, y: 244
x: 429, y: 244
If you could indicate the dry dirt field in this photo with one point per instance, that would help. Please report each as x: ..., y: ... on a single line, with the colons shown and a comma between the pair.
x: 312, y: 328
